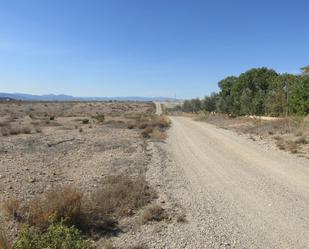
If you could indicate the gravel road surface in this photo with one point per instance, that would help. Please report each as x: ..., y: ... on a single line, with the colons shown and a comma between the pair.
x: 242, y: 195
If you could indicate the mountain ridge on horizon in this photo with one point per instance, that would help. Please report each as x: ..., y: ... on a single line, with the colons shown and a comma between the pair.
x: 64, y: 97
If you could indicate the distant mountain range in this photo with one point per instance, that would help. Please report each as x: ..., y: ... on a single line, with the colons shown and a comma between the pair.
x: 62, y: 97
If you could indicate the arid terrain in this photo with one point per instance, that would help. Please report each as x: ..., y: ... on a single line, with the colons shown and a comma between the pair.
x: 137, y: 183
x: 46, y: 147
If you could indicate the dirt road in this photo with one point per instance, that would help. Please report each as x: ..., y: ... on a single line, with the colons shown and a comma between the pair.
x: 158, y: 108
x: 242, y: 195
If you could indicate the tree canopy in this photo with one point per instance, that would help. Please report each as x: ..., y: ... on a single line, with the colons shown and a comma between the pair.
x: 258, y: 91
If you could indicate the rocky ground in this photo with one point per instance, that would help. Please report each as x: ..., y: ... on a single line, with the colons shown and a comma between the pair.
x: 63, y: 149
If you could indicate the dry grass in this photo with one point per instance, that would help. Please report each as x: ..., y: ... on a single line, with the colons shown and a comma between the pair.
x: 157, y: 134
x: 5, y: 243
x: 119, y: 196
x: 100, y: 117
x: 62, y: 203
x: 146, y: 133
x: 301, y: 140
x: 160, y: 121
x: 292, y: 146
x: 143, y: 125
x: 9, y: 129
x: 5, y: 131
x: 155, y: 127
x: 13, y: 208
x: 131, y: 126
x: 153, y: 213
x: 280, y: 143
x: 289, y: 145
x: 122, y: 195
x: 15, y: 130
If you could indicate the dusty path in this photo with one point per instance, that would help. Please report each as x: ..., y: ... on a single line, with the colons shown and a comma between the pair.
x: 242, y: 195
x: 158, y: 108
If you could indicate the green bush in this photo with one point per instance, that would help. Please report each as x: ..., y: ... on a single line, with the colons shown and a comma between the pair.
x: 85, y: 121
x: 57, y: 236
x: 100, y: 117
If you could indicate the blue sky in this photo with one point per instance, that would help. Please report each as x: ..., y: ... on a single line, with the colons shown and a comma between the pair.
x: 145, y: 47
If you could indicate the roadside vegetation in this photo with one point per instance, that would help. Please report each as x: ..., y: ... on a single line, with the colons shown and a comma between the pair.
x: 152, y: 126
x: 242, y: 101
x: 259, y: 91
x: 65, y: 217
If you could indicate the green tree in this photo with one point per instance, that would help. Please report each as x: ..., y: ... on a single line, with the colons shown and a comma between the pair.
x: 187, y: 106
x: 209, y: 102
x: 299, y: 96
x: 305, y: 70
x: 257, y: 80
x: 196, y: 104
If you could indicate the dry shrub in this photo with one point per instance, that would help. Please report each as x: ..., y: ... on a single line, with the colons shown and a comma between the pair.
x: 153, y: 213
x: 85, y: 121
x: 292, y: 146
x: 202, y: 116
x: 25, y: 130
x: 158, y: 134
x: 5, y: 243
x: 13, y: 208
x: 121, y: 195
x: 14, y: 131
x: 157, y: 124
x: 143, y: 125
x: 38, y: 129
x: 100, y: 117
x: 147, y: 132
x: 131, y: 126
x: 56, y: 205
x: 181, y: 218
x: 301, y: 140
x: 271, y: 127
x: 281, y: 144
x: 5, y: 131
x: 160, y: 121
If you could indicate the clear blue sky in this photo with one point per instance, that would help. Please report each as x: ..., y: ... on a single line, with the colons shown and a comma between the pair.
x: 145, y: 47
